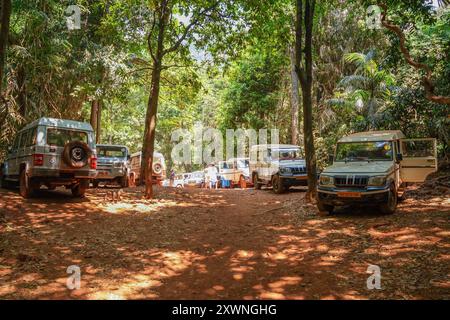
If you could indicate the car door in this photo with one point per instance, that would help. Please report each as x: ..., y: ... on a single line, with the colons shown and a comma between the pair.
x: 11, y: 161
x: 419, y: 159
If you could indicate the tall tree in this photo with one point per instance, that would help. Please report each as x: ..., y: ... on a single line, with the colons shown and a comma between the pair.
x: 4, y: 31
x: 163, y: 40
x: 304, y: 68
x: 294, y: 99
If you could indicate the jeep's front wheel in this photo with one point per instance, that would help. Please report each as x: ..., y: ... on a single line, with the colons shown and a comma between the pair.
x: 256, y: 184
x: 324, y: 209
x: 391, y: 204
x: 277, y: 184
x: 26, y: 185
x: 80, y: 189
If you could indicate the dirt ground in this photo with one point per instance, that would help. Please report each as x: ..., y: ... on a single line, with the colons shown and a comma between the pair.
x: 220, y: 244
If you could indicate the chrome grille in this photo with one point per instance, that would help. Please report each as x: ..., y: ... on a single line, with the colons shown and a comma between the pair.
x: 298, y: 170
x: 351, y: 181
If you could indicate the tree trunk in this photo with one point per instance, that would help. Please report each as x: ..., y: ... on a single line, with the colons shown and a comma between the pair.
x: 148, y: 145
x: 21, y: 94
x: 94, y: 114
x: 5, y: 17
x: 99, y: 122
x: 304, y: 72
x: 96, y: 118
x: 294, y: 100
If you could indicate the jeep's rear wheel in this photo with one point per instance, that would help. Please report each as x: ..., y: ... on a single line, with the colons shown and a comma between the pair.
x: 256, y: 184
x: 277, y: 184
x: 391, y: 204
x: 124, y: 182
x: 26, y: 185
x: 324, y: 209
x: 80, y: 189
x: 3, y: 182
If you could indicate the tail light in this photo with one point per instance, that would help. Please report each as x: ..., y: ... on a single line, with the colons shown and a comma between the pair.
x: 93, y: 162
x: 38, y: 159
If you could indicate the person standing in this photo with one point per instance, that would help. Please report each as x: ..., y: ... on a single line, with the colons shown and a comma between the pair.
x: 212, y: 176
x: 172, y: 177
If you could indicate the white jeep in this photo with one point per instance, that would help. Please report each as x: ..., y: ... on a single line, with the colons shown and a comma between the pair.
x: 374, y: 168
x: 278, y: 165
x: 236, y: 170
x: 51, y: 152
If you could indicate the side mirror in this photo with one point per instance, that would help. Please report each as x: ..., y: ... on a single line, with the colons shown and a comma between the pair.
x: 330, y: 158
x: 399, y: 157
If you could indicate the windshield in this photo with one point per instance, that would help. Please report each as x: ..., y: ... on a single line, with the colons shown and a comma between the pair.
x: 117, y: 152
x: 286, y: 154
x: 59, y: 137
x: 242, y: 163
x: 364, y: 151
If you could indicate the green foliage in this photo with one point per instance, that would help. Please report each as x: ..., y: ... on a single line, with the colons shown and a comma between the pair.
x: 254, y: 90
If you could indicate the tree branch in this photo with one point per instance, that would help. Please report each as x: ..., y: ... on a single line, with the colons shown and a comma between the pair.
x: 426, y: 80
x: 186, y: 31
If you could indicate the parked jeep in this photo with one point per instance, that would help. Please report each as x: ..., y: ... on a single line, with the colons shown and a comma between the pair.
x: 278, y: 165
x: 236, y: 170
x: 112, y: 165
x: 374, y: 168
x: 51, y: 152
x: 194, y: 179
x: 159, y: 168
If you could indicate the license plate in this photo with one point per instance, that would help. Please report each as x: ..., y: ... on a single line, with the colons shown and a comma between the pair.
x: 104, y: 172
x: 349, y: 194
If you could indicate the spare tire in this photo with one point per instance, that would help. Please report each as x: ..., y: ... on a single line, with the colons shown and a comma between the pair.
x: 76, y: 154
x: 157, y: 168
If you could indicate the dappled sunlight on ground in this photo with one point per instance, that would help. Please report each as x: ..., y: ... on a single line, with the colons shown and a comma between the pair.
x: 217, y: 244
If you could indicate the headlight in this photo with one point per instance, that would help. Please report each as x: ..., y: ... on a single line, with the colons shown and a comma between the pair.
x: 117, y: 164
x: 326, y: 180
x: 377, y: 181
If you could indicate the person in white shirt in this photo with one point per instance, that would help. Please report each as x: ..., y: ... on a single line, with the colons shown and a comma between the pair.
x: 211, y: 173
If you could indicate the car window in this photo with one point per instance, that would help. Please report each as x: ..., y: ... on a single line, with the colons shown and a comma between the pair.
x: 31, y: 137
x: 59, y: 137
x: 23, y: 138
x: 16, y: 142
x: 363, y: 151
x: 118, y: 152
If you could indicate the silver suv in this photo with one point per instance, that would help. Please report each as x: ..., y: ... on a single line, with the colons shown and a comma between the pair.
x: 51, y: 152
x: 112, y: 165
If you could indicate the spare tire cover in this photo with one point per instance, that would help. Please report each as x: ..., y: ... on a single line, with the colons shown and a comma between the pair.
x: 76, y: 154
x: 157, y: 168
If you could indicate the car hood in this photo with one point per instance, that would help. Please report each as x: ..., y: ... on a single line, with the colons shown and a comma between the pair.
x: 360, y: 167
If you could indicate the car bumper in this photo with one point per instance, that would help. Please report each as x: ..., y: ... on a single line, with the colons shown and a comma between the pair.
x: 341, y: 197
x: 295, y: 180
x: 109, y: 173
x: 63, y: 174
